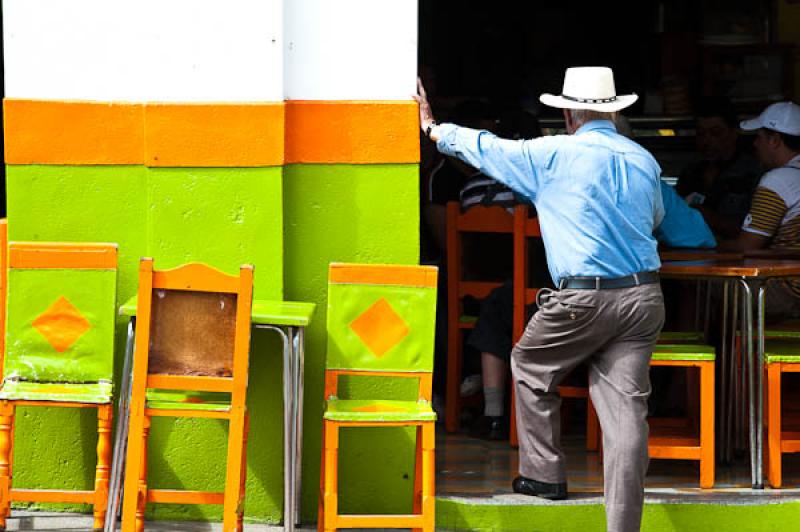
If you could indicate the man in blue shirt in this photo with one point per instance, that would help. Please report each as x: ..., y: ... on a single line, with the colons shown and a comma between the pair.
x: 598, y: 200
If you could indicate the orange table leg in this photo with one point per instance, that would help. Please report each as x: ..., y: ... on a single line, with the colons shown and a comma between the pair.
x: 774, y: 472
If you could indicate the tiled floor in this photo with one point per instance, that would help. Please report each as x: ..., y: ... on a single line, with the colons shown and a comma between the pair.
x: 475, y: 468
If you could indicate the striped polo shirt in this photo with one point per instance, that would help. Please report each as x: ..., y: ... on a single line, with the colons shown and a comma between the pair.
x: 775, y: 209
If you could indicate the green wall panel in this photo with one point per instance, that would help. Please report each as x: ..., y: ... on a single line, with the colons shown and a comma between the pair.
x: 353, y: 213
x: 221, y: 216
x: 225, y: 217
x: 350, y: 213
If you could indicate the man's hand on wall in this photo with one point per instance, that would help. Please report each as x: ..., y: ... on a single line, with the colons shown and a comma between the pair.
x: 426, y: 121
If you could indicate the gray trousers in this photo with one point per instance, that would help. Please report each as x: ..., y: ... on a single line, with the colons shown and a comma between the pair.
x: 614, y: 331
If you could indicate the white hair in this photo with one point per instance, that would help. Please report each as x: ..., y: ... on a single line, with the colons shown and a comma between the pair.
x: 581, y: 116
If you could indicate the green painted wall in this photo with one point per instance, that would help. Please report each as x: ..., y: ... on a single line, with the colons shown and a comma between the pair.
x: 350, y: 213
x: 223, y: 217
x: 226, y: 217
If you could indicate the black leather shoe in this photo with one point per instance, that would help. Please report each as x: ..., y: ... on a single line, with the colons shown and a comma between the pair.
x: 490, y: 428
x: 528, y: 486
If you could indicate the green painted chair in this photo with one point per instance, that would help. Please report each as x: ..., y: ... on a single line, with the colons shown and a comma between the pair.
x: 381, y: 323
x: 59, y: 352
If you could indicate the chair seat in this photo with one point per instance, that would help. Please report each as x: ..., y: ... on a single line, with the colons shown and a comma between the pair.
x: 782, y: 350
x: 374, y: 410
x: 679, y: 352
x: 188, y: 400
x: 92, y: 392
x: 677, y: 337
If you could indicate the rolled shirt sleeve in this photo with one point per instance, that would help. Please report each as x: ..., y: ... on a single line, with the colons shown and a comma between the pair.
x: 512, y: 162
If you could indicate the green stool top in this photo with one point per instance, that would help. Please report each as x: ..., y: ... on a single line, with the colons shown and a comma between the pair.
x: 378, y: 410
x: 782, y: 350
x: 264, y: 312
x: 683, y: 352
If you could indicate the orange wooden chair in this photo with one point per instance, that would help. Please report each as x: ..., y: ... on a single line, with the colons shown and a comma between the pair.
x: 58, y: 351
x: 522, y: 226
x: 381, y: 322
x: 190, y: 360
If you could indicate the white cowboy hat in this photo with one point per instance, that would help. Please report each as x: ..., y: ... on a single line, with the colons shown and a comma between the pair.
x: 589, y: 88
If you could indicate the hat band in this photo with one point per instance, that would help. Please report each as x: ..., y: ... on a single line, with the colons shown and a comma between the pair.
x: 589, y: 100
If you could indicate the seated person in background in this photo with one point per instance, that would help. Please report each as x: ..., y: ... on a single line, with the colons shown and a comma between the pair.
x: 682, y: 226
x: 721, y: 183
x: 774, y: 218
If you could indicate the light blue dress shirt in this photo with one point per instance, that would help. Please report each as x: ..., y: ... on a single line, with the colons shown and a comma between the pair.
x: 596, y: 193
x: 682, y: 226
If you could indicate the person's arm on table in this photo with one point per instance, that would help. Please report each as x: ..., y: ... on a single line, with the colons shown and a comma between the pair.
x: 761, y: 224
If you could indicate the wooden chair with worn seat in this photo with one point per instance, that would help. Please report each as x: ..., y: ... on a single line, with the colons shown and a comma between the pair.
x: 58, y: 351
x: 381, y: 321
x: 190, y: 361
x: 522, y: 226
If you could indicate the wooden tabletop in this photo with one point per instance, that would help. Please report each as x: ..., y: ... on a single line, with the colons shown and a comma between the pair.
x: 751, y: 268
x: 670, y: 254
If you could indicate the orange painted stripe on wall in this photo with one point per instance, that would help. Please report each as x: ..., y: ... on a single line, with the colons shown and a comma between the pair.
x: 383, y: 274
x: 71, y: 132
x: 210, y: 134
x: 214, y: 134
x: 356, y: 132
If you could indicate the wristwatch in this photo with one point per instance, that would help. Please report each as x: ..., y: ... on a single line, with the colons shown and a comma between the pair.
x: 430, y: 128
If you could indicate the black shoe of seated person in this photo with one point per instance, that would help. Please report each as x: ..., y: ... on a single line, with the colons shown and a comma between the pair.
x: 490, y: 428
x: 545, y: 490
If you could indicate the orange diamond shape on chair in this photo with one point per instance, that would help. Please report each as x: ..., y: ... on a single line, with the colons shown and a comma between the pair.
x: 62, y: 324
x: 380, y: 327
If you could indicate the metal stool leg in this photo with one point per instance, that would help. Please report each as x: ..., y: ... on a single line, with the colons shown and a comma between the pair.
x: 121, y: 436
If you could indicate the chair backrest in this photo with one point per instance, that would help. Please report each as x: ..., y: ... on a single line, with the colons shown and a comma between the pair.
x: 381, y: 319
x: 193, y: 329
x: 60, y: 312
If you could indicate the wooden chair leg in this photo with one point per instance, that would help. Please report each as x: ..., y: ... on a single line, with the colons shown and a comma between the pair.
x: 137, y: 447
x: 774, y: 458
x: 6, y: 428
x: 592, y: 427
x: 417, y: 501
x: 452, y: 405
x: 243, y: 481
x: 103, y: 468
x: 233, y: 475
x: 428, y: 477
x: 707, y: 452
x: 331, y: 477
x: 141, y: 499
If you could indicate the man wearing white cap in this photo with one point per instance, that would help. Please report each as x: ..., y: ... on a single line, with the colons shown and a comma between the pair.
x: 774, y: 218
x: 598, y: 200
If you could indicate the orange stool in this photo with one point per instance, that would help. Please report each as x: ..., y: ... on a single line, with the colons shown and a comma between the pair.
x: 783, y: 425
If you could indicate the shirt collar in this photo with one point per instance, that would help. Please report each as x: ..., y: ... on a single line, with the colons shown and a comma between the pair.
x: 595, y: 125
